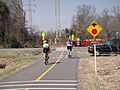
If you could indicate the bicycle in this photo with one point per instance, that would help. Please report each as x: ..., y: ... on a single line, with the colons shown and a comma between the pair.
x: 69, y: 54
x: 46, y: 58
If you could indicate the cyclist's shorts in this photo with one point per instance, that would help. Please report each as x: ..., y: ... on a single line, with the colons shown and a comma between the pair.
x: 45, y: 50
x: 69, y: 48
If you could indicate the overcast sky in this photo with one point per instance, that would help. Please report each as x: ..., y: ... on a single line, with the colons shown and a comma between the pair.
x: 44, y: 12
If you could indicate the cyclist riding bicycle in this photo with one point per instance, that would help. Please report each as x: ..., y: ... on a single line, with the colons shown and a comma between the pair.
x: 46, y: 50
x: 69, y: 47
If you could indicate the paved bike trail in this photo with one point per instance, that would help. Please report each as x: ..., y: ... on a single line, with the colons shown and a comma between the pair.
x: 63, y: 68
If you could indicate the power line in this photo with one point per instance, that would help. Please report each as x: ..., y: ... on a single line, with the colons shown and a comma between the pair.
x: 57, y: 18
x: 30, y: 13
x: 30, y: 10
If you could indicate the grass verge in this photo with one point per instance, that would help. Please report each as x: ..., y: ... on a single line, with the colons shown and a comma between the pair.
x: 108, y: 73
x: 17, y: 59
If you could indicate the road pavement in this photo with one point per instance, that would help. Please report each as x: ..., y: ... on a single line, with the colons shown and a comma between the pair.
x: 59, y: 74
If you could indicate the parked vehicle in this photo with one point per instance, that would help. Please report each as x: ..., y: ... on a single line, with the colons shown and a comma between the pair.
x: 83, y: 43
x: 110, y: 46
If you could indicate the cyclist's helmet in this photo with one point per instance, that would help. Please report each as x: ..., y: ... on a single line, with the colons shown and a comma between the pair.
x: 69, y: 40
x: 45, y: 41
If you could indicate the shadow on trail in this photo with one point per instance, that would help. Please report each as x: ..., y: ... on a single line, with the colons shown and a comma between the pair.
x: 106, y: 55
x: 75, y: 57
x: 53, y: 63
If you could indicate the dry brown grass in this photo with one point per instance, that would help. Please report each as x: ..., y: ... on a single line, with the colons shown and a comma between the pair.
x: 16, y: 60
x: 108, y: 77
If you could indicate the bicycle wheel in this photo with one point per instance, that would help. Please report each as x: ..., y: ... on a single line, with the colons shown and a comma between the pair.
x: 46, y: 58
x: 69, y: 56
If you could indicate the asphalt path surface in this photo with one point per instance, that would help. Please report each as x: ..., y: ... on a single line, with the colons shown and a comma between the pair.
x: 59, y: 74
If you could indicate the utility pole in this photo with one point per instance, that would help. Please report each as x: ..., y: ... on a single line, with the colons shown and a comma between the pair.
x: 57, y: 19
x: 30, y: 14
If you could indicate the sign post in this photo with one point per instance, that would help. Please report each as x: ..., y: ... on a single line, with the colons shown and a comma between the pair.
x: 94, y: 29
x: 43, y: 36
x: 73, y: 37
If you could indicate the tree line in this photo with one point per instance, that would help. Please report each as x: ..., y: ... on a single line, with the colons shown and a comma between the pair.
x: 13, y: 30
x: 14, y: 34
x: 108, y: 19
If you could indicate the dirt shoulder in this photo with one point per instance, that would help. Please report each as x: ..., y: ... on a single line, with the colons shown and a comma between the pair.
x: 108, y: 73
x: 13, y: 60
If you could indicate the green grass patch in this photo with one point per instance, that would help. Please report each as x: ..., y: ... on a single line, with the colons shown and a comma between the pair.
x: 8, y: 54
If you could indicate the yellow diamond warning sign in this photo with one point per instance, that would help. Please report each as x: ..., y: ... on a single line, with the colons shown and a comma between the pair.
x: 94, y: 29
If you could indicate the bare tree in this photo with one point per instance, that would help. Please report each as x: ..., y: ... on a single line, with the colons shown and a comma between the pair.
x: 4, y: 18
x: 106, y: 20
x: 116, y: 13
x: 13, y: 24
x: 110, y: 21
x: 84, y: 17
